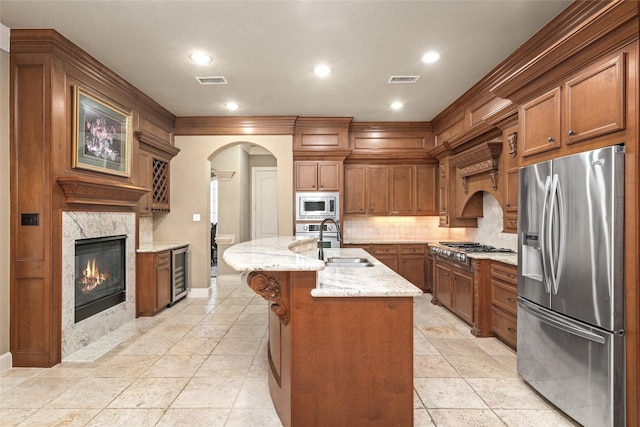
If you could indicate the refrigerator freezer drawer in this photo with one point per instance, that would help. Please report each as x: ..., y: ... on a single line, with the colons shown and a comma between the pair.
x: 578, y: 368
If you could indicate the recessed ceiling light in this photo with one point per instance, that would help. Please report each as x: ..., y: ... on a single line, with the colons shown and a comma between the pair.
x: 232, y: 106
x: 322, y: 70
x: 200, y: 58
x: 397, y: 105
x: 430, y: 57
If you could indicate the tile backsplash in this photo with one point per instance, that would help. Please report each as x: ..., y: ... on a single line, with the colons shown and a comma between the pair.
x: 390, y: 229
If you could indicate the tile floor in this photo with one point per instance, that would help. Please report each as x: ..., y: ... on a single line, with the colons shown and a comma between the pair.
x: 202, y: 362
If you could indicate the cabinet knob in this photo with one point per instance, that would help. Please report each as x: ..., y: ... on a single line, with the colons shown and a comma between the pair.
x: 511, y: 276
x: 550, y: 139
x: 571, y: 133
x: 511, y: 299
x: 508, y: 204
x: 512, y: 330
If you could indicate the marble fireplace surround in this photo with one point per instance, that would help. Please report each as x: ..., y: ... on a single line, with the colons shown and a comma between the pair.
x: 85, y: 225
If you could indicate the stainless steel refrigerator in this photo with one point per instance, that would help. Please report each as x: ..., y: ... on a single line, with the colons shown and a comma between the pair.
x: 571, y: 342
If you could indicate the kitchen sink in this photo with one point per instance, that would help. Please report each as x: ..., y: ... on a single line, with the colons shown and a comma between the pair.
x: 348, y: 262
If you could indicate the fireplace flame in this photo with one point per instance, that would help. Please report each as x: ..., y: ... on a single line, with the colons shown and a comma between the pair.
x: 92, y: 277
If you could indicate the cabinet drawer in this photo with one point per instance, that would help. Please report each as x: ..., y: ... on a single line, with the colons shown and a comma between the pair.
x: 413, y: 250
x: 504, y: 296
x: 384, y: 249
x: 505, y: 273
x: 163, y: 258
x: 504, y: 326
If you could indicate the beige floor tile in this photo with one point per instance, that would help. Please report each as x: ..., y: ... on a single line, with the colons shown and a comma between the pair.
x: 125, y: 366
x: 168, y: 330
x: 441, y: 332
x: 91, y: 393
x: 465, y: 417
x: 534, y: 418
x: 62, y: 417
x: 260, y: 366
x: 188, y: 346
x: 254, y: 394
x: 220, y: 319
x: 35, y: 392
x: 225, y: 366
x: 180, y: 365
x: 510, y: 363
x: 456, y: 347
x: 208, y: 331
x: 126, y: 417
x: 69, y: 370
x: 478, y: 366
x: 150, y: 393
x: 433, y: 367
x: 421, y: 418
x: 423, y: 347
x: 507, y: 393
x: 239, y: 346
x: 194, y: 417
x: 228, y: 309
x: 185, y: 319
x: 198, y: 309
x: 246, y: 330
x: 148, y: 346
x: 13, y: 416
x: 447, y: 393
x: 254, y: 417
x: 209, y: 393
x: 494, y: 347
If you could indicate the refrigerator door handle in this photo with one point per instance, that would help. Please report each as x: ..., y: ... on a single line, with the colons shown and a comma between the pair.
x: 557, y: 218
x: 544, y: 250
x: 559, y: 323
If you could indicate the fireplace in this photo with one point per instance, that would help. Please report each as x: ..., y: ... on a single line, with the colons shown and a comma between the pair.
x: 100, y: 275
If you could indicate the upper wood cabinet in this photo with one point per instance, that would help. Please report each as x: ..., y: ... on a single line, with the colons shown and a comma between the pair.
x: 153, y: 158
x: 318, y: 134
x: 425, y: 193
x: 402, y: 190
x: 366, y: 189
x: 588, y: 105
x: 413, y: 189
x: 318, y: 176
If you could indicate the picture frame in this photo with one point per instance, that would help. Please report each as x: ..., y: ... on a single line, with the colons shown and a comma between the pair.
x: 101, y: 136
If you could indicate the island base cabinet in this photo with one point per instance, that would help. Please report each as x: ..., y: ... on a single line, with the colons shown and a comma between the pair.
x: 337, y: 361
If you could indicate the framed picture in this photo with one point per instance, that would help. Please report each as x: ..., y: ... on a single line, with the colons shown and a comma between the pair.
x: 101, y: 139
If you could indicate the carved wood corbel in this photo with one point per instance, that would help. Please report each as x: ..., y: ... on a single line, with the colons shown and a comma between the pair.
x: 269, y: 288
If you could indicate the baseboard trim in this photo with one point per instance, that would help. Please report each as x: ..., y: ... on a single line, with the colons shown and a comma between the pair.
x: 6, y: 362
x: 200, y: 292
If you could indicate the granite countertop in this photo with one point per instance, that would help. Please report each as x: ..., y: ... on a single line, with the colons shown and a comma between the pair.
x: 385, y: 242
x: 288, y: 253
x: 160, y: 246
x: 510, y: 258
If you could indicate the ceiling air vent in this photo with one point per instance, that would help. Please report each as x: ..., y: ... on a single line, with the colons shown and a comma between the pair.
x: 212, y: 80
x: 403, y: 79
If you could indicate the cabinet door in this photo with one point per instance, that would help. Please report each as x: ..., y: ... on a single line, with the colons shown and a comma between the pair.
x: 354, y: 189
x: 511, y: 190
x: 462, y: 291
x: 426, y: 190
x: 442, y: 286
x: 329, y: 176
x: 595, y: 101
x: 443, y: 195
x: 414, y: 269
x: 306, y: 176
x: 402, y: 188
x: 541, y: 123
x: 378, y: 189
x: 386, y: 254
x: 163, y: 281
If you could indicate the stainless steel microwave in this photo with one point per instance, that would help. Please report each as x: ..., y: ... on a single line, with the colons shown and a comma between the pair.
x: 317, y: 205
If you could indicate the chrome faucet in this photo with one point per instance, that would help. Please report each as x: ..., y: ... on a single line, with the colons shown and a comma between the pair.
x: 320, y: 241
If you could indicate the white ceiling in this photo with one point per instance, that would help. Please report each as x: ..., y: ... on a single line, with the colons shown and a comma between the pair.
x: 267, y: 49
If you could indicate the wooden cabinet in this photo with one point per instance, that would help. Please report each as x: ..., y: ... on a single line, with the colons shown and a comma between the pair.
x: 156, y: 154
x: 366, y: 189
x: 144, y: 180
x: 454, y: 289
x: 391, y: 190
x: 318, y: 176
x: 511, y: 201
x: 412, y: 264
x: 413, y: 189
x: 504, y: 302
x: 386, y: 254
x: 153, y: 282
x: 588, y: 105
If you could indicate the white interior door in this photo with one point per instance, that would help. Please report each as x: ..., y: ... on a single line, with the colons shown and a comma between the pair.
x: 264, y: 200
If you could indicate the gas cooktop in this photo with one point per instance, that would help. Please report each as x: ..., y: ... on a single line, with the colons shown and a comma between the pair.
x: 458, y: 251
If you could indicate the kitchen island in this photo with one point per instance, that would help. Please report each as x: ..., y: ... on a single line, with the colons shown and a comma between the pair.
x: 340, y: 338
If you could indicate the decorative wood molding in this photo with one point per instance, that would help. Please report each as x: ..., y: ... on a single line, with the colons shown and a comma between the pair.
x: 480, y: 159
x: 92, y: 191
x: 250, y: 125
x: 269, y: 289
x: 512, y: 139
x: 153, y: 144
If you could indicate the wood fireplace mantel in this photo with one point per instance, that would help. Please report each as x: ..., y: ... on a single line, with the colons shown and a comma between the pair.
x: 94, y: 191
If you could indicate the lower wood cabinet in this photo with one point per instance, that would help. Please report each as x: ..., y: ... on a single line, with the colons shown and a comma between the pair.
x: 153, y: 282
x: 455, y: 290
x: 504, y: 302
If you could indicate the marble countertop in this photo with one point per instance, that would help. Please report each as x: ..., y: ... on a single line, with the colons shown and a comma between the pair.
x: 386, y: 242
x: 288, y: 253
x: 160, y: 246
